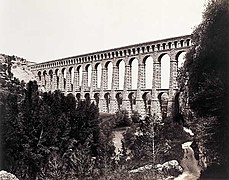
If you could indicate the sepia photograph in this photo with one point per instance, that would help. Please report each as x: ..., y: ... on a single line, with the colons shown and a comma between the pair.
x: 114, y: 90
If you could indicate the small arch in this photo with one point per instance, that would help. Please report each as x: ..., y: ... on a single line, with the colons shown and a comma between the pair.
x: 39, y: 75
x: 78, y: 96
x: 181, y: 43
x: 132, y: 99
x: 164, y: 46
x: 163, y: 100
x: 107, y: 99
x: 119, y: 99
x: 147, y: 101
x: 87, y: 97
x: 96, y: 96
x: 51, y: 74
x: 71, y: 72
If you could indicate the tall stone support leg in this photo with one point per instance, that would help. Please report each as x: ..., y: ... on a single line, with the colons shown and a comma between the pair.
x: 67, y: 83
x: 61, y: 82
x: 102, y: 101
x: 156, y: 84
x: 85, y: 80
x: 50, y: 83
x: 76, y: 80
x: 172, y: 83
x: 93, y: 82
x: 127, y: 85
x: 104, y: 79
x: 114, y: 87
x: 54, y: 82
x: 47, y: 83
x: 140, y: 84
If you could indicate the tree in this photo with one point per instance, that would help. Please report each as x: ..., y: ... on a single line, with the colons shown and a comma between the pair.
x: 206, y: 69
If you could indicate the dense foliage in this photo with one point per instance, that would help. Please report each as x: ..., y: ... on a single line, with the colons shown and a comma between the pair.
x: 206, y: 75
x: 45, y: 133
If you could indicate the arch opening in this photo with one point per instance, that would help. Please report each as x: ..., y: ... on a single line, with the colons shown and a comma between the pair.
x: 98, y: 74
x: 134, y: 73
x: 165, y: 71
x: 148, y: 63
x: 121, y: 73
x: 108, y: 99
x: 163, y: 99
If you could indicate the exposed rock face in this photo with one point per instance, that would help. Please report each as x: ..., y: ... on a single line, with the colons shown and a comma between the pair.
x: 7, y: 176
x: 191, y: 170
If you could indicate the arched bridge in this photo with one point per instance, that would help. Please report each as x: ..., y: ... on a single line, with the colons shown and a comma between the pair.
x: 129, y: 77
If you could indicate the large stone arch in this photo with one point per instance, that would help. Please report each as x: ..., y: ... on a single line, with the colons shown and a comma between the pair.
x: 148, y: 62
x: 109, y: 71
x: 164, y: 60
x: 79, y: 71
x: 180, y: 60
x: 120, y: 64
x: 98, y: 69
x: 88, y: 69
x: 133, y: 72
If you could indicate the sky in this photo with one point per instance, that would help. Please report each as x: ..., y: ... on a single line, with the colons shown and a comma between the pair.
x: 43, y: 30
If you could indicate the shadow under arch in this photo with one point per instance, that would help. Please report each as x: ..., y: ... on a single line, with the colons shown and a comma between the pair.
x: 96, y: 96
x: 163, y: 100
x: 147, y: 102
x: 132, y: 99
x: 108, y: 100
x: 119, y: 99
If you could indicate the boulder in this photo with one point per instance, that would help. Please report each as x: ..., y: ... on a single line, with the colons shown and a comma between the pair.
x: 7, y: 176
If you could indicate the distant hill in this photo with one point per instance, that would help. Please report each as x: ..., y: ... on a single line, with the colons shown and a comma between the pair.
x: 19, y: 67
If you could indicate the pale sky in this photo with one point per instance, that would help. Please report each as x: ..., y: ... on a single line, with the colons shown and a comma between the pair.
x: 43, y: 30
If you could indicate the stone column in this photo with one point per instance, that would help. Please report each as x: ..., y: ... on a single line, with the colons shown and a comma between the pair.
x: 85, y: 79
x: 105, y: 78
x: 127, y: 85
x: 54, y: 82
x: 61, y: 82
x: 76, y: 79
x: 172, y: 82
x: 51, y: 82
x: 84, y: 82
x: 93, y: 85
x: 68, y: 82
x: 156, y: 84
x: 140, y: 84
x: 114, y: 87
x: 102, y: 101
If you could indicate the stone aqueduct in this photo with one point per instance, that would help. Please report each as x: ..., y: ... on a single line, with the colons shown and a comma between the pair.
x: 71, y: 75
